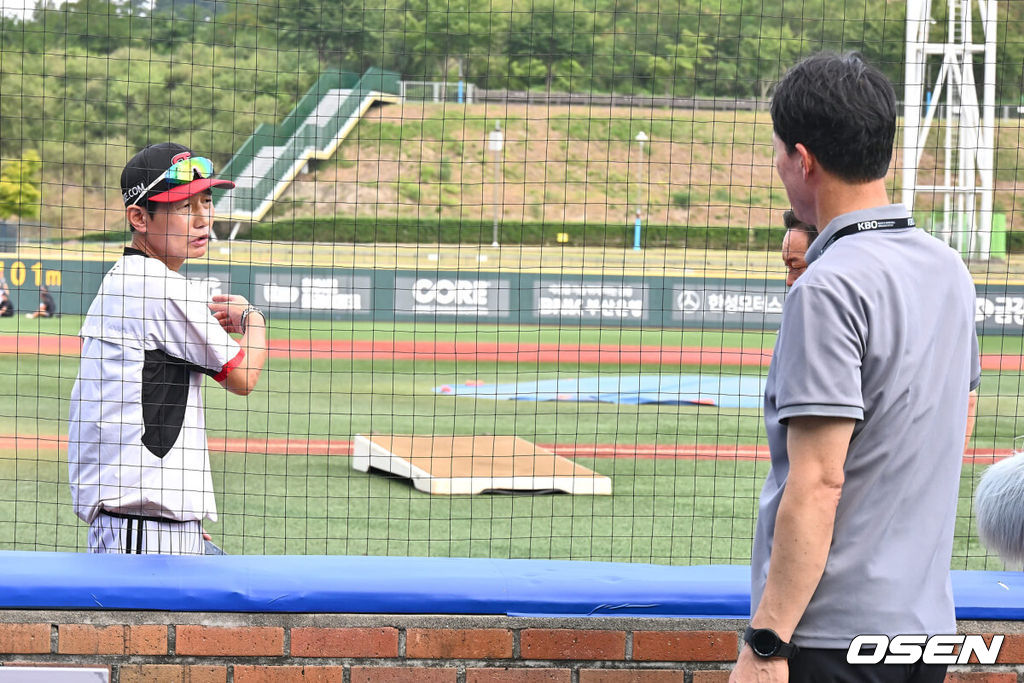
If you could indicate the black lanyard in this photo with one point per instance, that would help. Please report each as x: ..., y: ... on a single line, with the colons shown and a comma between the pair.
x: 869, y: 226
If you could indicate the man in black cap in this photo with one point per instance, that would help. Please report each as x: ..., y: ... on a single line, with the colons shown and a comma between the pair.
x: 137, y: 453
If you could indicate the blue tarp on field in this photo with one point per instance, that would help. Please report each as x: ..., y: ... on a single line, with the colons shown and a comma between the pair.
x: 724, y: 391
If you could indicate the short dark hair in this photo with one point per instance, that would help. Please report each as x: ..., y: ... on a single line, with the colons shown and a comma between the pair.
x: 791, y: 222
x: 842, y: 110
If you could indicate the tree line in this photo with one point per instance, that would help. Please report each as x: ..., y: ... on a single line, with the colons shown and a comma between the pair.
x: 126, y: 70
x: 708, y: 47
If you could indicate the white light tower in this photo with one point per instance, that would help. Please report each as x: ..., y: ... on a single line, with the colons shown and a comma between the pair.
x: 967, y: 149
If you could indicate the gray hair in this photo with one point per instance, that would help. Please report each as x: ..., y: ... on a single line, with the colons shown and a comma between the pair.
x: 999, y: 507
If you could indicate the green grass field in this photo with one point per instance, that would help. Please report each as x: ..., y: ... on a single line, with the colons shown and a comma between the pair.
x: 665, y: 511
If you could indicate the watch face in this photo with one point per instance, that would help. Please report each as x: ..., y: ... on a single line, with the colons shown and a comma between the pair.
x: 765, y: 642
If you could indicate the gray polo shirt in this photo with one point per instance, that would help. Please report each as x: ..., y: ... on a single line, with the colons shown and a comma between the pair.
x: 880, y: 328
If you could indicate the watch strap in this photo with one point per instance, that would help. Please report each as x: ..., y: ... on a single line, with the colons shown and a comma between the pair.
x: 243, y: 322
x: 787, y: 650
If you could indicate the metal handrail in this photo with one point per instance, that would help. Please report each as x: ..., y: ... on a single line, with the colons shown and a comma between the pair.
x: 304, y: 139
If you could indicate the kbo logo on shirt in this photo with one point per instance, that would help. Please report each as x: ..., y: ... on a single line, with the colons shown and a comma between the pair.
x: 910, y: 649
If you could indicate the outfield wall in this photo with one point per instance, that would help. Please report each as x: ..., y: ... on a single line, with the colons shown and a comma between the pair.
x: 520, y: 298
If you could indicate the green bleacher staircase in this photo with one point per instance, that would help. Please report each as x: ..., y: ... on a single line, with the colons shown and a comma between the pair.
x: 268, y: 162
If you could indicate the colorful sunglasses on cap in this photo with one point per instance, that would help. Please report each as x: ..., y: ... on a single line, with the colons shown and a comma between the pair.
x: 185, y: 178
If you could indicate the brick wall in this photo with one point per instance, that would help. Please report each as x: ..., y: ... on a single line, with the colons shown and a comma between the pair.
x: 184, y: 647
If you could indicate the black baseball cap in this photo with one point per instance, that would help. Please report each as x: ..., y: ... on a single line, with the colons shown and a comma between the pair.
x: 167, y: 172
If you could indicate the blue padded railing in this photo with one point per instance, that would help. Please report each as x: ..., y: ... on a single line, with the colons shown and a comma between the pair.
x: 417, y: 585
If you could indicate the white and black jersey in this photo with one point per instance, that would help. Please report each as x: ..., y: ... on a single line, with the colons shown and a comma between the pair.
x: 137, y: 437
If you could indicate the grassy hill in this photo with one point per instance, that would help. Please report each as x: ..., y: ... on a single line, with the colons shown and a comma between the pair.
x: 561, y: 165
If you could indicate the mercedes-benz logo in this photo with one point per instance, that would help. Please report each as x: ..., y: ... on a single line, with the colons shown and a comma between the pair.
x: 688, y: 300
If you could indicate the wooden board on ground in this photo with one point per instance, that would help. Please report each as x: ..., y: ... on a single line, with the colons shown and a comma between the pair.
x: 454, y: 465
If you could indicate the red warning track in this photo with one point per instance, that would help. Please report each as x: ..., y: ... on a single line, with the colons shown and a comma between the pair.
x: 500, y: 352
x: 28, y: 444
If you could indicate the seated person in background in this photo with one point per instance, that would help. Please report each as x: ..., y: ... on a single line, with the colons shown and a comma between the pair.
x: 47, y: 306
x: 6, y: 306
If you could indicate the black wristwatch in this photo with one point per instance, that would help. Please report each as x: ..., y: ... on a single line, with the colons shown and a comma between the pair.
x: 767, y: 643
